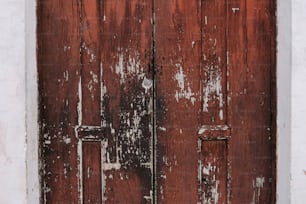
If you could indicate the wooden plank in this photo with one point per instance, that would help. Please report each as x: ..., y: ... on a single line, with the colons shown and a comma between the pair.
x: 90, y: 62
x: 213, y: 62
x: 178, y: 48
x: 213, y: 171
x: 58, y: 73
x: 251, y: 68
x: 126, y: 96
x: 92, y: 172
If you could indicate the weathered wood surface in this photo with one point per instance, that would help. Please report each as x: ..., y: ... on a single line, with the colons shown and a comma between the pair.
x: 95, y: 101
x: 157, y: 101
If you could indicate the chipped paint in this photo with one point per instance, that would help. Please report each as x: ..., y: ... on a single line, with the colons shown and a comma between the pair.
x: 92, y: 83
x: 207, y: 175
x: 103, y: 92
x: 213, y: 89
x: 80, y: 171
x: 79, y: 105
x: 147, y: 84
x: 66, y: 75
x: 128, y: 65
x: 162, y: 129
x: 205, y: 128
x: 235, y: 10
x: 258, y: 184
x: 193, y: 44
x: 184, y: 89
x: 89, y: 52
x: 67, y: 48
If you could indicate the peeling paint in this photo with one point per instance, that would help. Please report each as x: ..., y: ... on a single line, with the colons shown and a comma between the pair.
x: 258, y: 184
x: 162, y: 129
x: 147, y: 84
x: 184, y: 89
x: 235, y: 10
x: 67, y: 48
x: 128, y: 65
x: 208, y: 178
x: 79, y: 105
x: 89, y: 52
x: 213, y: 89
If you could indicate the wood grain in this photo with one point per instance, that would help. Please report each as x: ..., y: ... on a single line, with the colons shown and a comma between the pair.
x: 178, y: 43
x: 252, y: 69
x: 92, y: 172
x: 169, y: 88
x: 58, y: 71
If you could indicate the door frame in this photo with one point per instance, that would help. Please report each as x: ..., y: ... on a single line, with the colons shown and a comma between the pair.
x: 283, y: 77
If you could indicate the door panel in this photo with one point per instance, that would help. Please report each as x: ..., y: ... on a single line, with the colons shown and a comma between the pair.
x: 97, y: 88
x: 177, y: 97
x: 214, y: 91
x: 251, y: 68
x: 162, y: 101
x: 58, y: 60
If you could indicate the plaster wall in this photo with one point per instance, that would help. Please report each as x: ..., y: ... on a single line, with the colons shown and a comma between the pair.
x: 18, y: 103
x: 12, y: 103
x: 298, y: 103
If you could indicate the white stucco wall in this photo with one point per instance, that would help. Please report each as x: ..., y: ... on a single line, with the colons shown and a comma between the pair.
x: 298, y: 101
x: 12, y: 102
x: 18, y: 103
x: 284, y: 63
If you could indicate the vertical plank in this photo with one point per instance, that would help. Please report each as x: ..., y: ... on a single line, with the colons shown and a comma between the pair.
x: 213, y: 171
x: 251, y: 55
x: 92, y: 174
x: 178, y: 47
x: 58, y: 73
x: 90, y: 62
x: 126, y: 96
x: 213, y: 62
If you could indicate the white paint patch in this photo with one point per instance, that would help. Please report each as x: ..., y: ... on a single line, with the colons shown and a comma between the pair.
x: 209, y: 170
x: 205, y: 128
x: 133, y: 130
x: 257, y: 184
x: 147, y: 84
x: 107, y: 165
x: 66, y: 75
x: 91, y: 84
x: 213, y: 89
x: 128, y: 66
x: 67, y: 48
x: 162, y: 129
x: 184, y: 90
x: 79, y: 106
x: 66, y: 139
x: 235, y: 10
x: 193, y: 44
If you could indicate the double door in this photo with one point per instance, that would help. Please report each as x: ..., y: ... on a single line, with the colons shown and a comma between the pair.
x: 157, y: 101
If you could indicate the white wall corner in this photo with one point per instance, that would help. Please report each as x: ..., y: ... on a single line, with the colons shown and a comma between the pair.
x: 12, y: 103
x: 298, y: 103
x: 284, y: 69
x: 32, y: 128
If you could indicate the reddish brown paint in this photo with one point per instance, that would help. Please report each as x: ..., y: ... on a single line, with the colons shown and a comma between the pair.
x: 92, y: 182
x: 85, y: 103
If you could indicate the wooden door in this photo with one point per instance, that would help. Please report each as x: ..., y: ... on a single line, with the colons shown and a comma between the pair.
x: 215, y: 101
x: 157, y: 101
